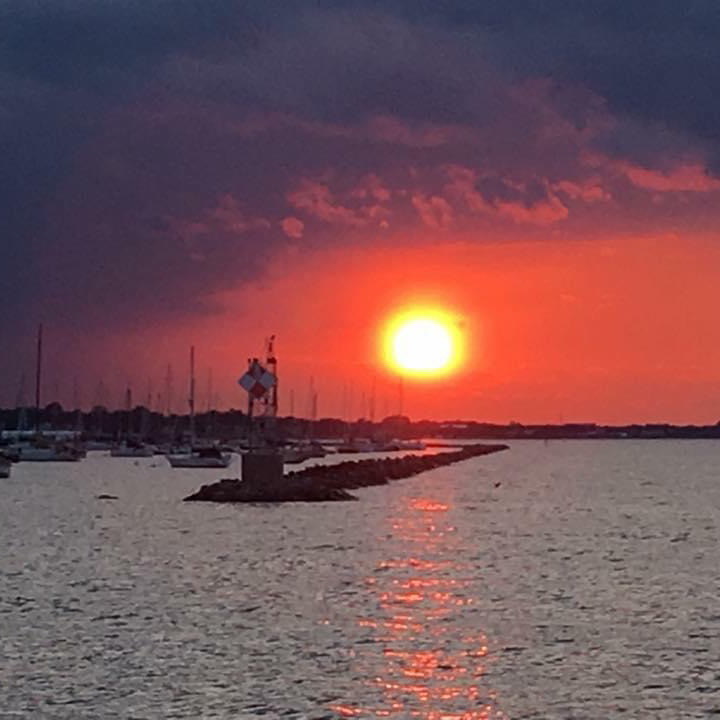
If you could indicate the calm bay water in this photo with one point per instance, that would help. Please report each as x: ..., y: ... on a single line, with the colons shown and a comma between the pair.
x: 587, y: 585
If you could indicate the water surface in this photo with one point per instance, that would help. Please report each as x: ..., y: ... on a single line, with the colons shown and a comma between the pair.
x: 584, y: 585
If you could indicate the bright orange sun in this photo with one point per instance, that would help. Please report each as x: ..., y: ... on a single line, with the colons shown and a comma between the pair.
x: 422, y: 343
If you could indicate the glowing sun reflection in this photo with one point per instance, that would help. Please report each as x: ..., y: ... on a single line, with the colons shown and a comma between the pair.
x: 433, y: 664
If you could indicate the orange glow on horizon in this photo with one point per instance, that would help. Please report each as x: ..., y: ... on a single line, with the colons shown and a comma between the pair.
x: 602, y: 330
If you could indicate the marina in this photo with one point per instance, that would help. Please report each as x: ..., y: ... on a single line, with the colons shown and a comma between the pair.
x: 359, y: 360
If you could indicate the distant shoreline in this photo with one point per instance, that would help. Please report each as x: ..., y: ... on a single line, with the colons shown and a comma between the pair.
x: 104, y: 423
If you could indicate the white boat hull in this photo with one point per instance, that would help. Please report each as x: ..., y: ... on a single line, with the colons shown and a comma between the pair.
x: 132, y: 452
x: 193, y: 461
x: 33, y: 454
x: 95, y: 446
x: 412, y: 445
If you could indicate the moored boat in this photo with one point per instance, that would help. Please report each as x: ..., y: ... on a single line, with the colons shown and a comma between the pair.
x: 211, y: 457
x: 132, y: 449
x: 410, y: 445
x: 356, y: 445
x: 204, y: 457
x: 47, y: 452
x: 302, y: 451
x: 98, y: 445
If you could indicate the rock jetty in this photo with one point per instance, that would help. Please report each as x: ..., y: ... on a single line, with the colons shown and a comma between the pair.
x: 329, y: 483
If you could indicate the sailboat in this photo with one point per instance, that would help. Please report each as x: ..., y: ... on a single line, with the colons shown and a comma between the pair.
x: 301, y: 451
x: 307, y: 448
x: 411, y: 445
x: 130, y: 448
x: 356, y: 445
x: 41, y: 449
x: 209, y: 457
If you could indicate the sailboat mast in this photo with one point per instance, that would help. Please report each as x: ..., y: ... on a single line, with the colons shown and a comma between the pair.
x: 191, y: 399
x: 128, y: 411
x: 38, y: 377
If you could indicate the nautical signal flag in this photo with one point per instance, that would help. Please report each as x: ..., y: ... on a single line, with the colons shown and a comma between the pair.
x: 257, y: 380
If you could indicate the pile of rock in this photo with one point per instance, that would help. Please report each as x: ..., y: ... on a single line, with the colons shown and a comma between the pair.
x: 325, y: 483
x: 290, y: 490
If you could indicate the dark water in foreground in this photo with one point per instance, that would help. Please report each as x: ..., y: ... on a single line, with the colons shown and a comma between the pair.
x: 586, y: 586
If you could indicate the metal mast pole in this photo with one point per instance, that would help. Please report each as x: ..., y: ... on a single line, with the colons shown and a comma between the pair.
x: 38, y: 376
x: 251, y: 404
x: 272, y: 368
x: 191, y: 399
x: 128, y: 411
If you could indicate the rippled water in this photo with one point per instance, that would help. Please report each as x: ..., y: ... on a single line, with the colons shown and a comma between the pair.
x: 586, y: 585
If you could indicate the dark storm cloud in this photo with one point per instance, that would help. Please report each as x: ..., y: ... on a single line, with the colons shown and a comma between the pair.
x: 155, y: 151
x: 80, y: 43
x: 655, y: 60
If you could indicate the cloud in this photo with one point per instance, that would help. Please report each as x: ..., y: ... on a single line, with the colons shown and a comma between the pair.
x: 316, y: 199
x: 685, y: 176
x: 533, y: 203
x: 227, y: 215
x: 157, y: 152
x: 543, y: 212
x: 435, y: 211
x: 293, y: 227
x: 372, y: 186
x: 589, y: 190
x: 656, y: 62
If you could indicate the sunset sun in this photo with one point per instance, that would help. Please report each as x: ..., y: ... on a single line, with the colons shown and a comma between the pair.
x: 423, y: 344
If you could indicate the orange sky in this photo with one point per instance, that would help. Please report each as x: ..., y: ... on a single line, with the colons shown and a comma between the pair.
x: 309, y: 171
x: 613, y: 331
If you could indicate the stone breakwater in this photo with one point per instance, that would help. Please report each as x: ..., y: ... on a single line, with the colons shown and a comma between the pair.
x: 325, y: 483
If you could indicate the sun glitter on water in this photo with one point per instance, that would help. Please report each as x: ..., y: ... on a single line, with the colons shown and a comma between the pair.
x: 423, y: 343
